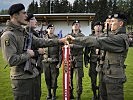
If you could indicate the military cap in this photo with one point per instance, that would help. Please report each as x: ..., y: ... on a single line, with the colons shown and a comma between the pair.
x: 15, y: 8
x: 119, y: 16
x: 50, y: 25
x: 76, y: 21
x: 109, y: 17
x: 29, y: 16
x: 98, y: 23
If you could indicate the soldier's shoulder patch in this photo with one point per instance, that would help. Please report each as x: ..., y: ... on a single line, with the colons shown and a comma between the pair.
x: 7, y: 42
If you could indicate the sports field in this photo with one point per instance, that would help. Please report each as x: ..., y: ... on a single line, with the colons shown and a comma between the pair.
x: 6, y: 93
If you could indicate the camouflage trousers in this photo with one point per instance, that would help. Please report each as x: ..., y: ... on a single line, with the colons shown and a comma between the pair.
x: 51, y: 74
x: 79, y: 74
x: 93, y: 75
x: 27, y: 89
x: 111, y: 91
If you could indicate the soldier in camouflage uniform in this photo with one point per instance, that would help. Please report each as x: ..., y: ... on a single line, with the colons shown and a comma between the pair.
x: 51, y: 62
x: 102, y: 87
x: 77, y: 61
x: 37, y: 61
x: 116, y: 47
x: 12, y: 43
x: 91, y: 56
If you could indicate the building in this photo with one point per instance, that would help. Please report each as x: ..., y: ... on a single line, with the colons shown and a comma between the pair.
x: 62, y: 21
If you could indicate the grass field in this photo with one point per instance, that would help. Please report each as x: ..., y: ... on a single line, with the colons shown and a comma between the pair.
x: 6, y: 93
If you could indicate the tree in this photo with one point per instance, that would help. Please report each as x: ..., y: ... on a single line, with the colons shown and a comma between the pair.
x: 110, y: 5
x: 114, y: 7
x: 42, y: 8
x: 31, y: 7
x: 36, y: 8
x: 89, y: 7
x: 102, y: 8
x: 130, y: 12
x: 64, y: 5
x: 75, y: 6
x: 57, y: 6
x: 3, y: 12
x: 82, y: 6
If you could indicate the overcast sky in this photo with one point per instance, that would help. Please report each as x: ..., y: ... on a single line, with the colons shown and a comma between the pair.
x: 5, y: 4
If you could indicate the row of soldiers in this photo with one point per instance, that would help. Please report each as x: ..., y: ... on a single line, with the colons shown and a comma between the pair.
x: 106, y: 53
x: 43, y: 55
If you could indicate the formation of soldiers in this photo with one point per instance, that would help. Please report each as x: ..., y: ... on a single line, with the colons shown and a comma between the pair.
x: 105, y: 50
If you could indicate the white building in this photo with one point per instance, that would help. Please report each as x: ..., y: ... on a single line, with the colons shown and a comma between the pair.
x: 62, y: 21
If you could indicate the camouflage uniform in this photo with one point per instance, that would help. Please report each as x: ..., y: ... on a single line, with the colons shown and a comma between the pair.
x: 37, y: 63
x: 77, y: 65
x: 116, y: 47
x: 91, y: 57
x: 52, y: 59
x: 12, y: 41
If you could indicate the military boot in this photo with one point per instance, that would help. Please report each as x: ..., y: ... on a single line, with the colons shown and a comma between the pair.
x: 54, y: 94
x: 71, y: 94
x: 78, y: 97
x: 95, y: 97
x: 94, y: 90
x: 49, y: 96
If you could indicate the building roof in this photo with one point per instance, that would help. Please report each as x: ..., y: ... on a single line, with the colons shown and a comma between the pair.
x: 58, y: 17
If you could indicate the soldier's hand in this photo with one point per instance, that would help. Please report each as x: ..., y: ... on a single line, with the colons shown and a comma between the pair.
x: 30, y: 52
x: 41, y: 51
x: 70, y: 38
x: 58, y: 66
x: 63, y: 40
x: 71, y: 45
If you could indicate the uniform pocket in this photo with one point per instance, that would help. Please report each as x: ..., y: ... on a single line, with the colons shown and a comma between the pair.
x: 20, y: 87
x: 115, y: 72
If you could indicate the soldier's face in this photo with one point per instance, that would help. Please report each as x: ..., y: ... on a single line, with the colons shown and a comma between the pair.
x: 50, y: 30
x: 98, y: 28
x: 21, y: 17
x: 115, y: 24
x: 33, y: 22
x: 76, y: 26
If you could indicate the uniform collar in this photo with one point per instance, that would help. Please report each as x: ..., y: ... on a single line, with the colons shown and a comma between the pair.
x: 11, y: 26
x: 121, y: 30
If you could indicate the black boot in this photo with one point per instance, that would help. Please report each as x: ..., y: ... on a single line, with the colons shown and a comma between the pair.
x: 94, y: 90
x: 49, y: 96
x: 71, y: 94
x: 95, y: 97
x: 78, y: 97
x: 54, y: 94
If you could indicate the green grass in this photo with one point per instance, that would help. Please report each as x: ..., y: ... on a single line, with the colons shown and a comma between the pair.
x: 6, y: 92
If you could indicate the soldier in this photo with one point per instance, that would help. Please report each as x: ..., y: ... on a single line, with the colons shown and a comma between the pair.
x: 12, y: 43
x: 51, y: 63
x: 116, y: 47
x: 91, y: 56
x: 77, y: 61
x: 37, y: 61
x: 102, y: 87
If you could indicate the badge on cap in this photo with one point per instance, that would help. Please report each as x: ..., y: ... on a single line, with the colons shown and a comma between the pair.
x: 7, y: 42
x: 109, y: 16
x: 76, y: 21
x: 116, y: 15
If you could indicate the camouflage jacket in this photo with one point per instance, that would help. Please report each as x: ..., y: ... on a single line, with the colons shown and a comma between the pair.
x: 116, y: 47
x: 12, y: 42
